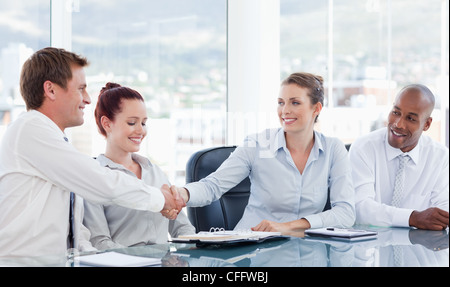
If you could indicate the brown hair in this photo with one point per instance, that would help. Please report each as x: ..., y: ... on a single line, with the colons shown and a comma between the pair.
x: 48, y: 64
x: 310, y: 81
x: 110, y: 100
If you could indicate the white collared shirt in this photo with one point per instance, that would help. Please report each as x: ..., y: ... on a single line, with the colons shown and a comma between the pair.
x: 38, y: 170
x: 278, y: 191
x: 374, y: 164
x: 115, y: 226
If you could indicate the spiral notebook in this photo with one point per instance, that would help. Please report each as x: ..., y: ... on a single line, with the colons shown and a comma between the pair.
x: 221, y: 236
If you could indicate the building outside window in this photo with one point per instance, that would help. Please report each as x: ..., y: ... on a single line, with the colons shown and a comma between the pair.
x: 173, y: 53
x: 24, y: 28
x: 366, y: 51
x: 176, y: 54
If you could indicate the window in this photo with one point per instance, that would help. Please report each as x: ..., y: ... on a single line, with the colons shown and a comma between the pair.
x: 24, y: 29
x: 366, y: 51
x: 174, y: 54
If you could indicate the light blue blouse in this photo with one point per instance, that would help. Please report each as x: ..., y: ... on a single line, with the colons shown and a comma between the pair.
x: 278, y: 191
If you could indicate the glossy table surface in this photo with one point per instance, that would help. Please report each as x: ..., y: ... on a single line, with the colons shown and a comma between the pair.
x: 392, y: 247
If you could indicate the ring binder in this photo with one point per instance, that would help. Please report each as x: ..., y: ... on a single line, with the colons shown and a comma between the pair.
x: 220, y: 236
x: 216, y: 229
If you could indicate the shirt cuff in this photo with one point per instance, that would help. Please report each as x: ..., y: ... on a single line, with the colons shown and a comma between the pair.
x: 314, y: 220
x: 194, y: 197
x: 157, y: 200
x: 401, y: 217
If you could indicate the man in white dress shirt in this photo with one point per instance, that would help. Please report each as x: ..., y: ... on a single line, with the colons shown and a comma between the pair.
x: 39, y: 168
x: 423, y: 201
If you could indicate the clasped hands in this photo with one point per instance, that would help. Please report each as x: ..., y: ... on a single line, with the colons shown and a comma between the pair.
x: 174, y: 202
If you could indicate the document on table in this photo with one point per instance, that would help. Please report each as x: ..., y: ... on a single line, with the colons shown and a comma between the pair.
x: 116, y: 259
x: 342, y: 234
x: 227, y: 236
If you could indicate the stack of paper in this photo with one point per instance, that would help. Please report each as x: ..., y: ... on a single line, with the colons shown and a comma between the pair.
x: 342, y: 234
x: 115, y: 259
x: 227, y: 236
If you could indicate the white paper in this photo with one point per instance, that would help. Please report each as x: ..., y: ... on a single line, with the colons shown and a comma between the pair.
x: 338, y: 233
x: 226, y: 235
x: 115, y: 259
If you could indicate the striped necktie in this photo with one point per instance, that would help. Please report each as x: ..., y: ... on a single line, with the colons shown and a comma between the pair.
x: 71, y: 221
x: 399, y: 180
x: 71, y: 238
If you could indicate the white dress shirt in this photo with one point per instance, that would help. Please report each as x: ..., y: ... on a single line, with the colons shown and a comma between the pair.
x: 115, y: 226
x: 38, y: 170
x: 374, y: 164
x: 279, y: 192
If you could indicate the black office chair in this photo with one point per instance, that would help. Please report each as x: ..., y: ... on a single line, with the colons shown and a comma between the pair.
x: 228, y: 210
x: 328, y: 203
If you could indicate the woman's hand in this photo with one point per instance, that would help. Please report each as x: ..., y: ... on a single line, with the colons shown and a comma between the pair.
x: 267, y: 225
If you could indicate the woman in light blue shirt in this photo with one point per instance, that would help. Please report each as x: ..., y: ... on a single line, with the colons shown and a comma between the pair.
x: 290, y: 168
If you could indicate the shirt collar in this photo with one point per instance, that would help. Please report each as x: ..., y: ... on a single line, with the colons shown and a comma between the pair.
x: 392, y: 152
x: 50, y: 123
x: 280, y: 142
x: 318, y: 146
x: 105, y: 161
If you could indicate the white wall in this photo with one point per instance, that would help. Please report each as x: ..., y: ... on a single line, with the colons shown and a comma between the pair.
x: 253, y: 66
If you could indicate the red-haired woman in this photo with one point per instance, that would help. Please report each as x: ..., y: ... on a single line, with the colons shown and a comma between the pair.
x: 121, y: 117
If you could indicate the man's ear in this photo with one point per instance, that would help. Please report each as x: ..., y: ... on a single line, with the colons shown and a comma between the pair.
x: 49, y: 90
x: 427, y: 124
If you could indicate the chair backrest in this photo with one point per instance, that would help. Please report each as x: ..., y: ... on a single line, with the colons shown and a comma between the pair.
x: 228, y: 210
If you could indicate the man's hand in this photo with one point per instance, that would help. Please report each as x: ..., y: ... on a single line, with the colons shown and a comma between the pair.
x: 173, y: 202
x: 436, y: 240
x: 432, y: 218
x: 179, y: 200
x: 183, y: 192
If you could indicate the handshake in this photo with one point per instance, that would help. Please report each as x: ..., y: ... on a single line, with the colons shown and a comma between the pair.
x: 176, y: 198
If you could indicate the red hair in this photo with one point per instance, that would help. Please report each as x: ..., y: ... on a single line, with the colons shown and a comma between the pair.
x: 110, y: 101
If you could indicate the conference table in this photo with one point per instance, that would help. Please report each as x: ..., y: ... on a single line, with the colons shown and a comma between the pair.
x: 392, y: 247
